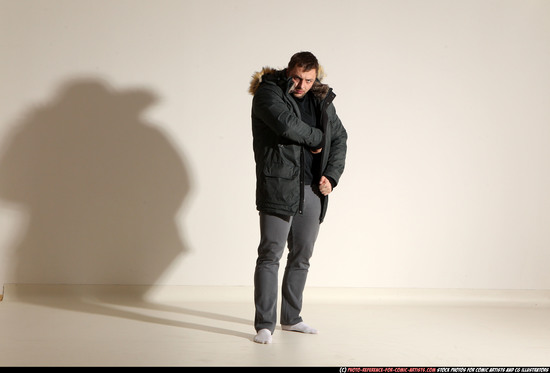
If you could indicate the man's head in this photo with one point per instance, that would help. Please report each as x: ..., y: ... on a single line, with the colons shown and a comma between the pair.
x: 302, y: 69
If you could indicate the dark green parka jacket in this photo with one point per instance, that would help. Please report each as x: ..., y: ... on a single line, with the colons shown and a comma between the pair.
x: 280, y: 138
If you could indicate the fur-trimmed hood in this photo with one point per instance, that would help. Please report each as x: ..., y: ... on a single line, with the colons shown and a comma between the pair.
x: 319, y: 89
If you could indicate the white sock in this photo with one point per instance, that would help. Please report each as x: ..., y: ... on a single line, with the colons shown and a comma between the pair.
x: 263, y: 336
x: 300, y: 327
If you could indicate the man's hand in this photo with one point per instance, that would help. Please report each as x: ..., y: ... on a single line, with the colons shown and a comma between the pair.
x: 325, y: 186
x: 316, y: 151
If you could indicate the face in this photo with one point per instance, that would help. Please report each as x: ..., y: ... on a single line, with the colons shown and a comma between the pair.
x: 303, y: 81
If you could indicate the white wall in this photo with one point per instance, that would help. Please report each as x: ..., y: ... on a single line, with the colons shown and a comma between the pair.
x: 125, y: 142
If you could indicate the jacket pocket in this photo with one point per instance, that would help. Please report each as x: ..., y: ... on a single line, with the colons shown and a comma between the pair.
x: 280, y: 182
x: 277, y: 164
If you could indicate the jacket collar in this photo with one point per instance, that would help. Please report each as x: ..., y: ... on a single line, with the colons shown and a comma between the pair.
x: 279, y: 77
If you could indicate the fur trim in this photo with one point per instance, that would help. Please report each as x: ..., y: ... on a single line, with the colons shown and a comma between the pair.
x: 318, y: 89
x: 257, y: 78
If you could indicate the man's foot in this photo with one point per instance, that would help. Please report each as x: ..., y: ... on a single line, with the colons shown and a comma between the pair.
x: 301, y: 327
x: 263, y: 336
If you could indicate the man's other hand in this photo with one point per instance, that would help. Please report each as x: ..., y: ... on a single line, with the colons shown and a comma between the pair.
x: 325, y: 186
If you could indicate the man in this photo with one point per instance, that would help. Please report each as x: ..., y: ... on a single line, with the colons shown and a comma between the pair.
x: 300, y: 149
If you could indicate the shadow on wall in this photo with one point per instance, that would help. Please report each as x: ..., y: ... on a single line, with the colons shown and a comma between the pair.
x: 102, y: 189
x: 101, y: 186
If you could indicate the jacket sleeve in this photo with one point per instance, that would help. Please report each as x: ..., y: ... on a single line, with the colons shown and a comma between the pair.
x: 338, y: 148
x: 268, y: 105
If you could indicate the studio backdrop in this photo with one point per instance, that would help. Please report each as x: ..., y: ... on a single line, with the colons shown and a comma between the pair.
x: 126, y: 145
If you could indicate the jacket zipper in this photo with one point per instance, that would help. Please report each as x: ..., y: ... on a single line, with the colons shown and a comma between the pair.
x: 302, y: 177
x: 324, y: 118
x: 323, y: 112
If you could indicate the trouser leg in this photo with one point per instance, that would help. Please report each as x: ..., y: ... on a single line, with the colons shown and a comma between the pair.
x: 301, y: 240
x: 273, y: 237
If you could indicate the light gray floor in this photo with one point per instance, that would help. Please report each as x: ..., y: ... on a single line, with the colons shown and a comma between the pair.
x: 186, y: 326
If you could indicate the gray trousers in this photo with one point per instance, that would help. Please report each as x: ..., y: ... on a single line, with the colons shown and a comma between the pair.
x: 300, y: 232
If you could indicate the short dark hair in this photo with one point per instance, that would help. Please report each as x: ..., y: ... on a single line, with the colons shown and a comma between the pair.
x: 306, y: 60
